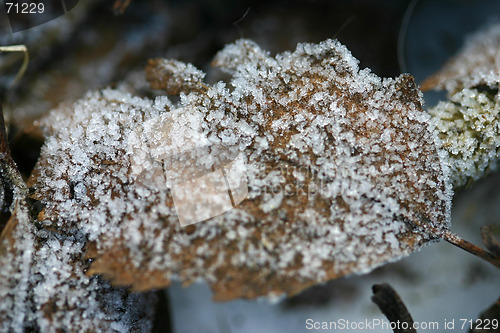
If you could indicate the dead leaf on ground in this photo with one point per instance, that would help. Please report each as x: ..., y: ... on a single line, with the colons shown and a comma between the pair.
x: 342, y: 172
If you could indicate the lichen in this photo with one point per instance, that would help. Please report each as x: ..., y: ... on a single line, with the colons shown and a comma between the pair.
x: 468, y: 122
x: 469, y: 129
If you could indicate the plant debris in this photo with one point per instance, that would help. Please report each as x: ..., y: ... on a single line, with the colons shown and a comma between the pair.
x: 342, y: 169
x: 389, y: 302
x: 476, y: 64
x: 469, y: 122
x: 43, y: 285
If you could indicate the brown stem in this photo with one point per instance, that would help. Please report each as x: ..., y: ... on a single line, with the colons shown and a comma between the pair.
x: 471, y: 248
x: 456, y: 240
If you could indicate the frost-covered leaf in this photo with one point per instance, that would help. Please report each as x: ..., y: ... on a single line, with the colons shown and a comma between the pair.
x: 469, y: 130
x: 342, y: 171
x: 476, y: 64
x: 43, y: 286
x: 469, y: 121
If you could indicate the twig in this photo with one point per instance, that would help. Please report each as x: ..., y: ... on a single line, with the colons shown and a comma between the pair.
x: 11, y: 181
x: 393, y: 308
x: 24, y: 66
x: 456, y: 240
x: 471, y: 248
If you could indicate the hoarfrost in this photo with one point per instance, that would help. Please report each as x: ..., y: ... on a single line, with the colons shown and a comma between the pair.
x: 468, y: 123
x: 43, y: 286
x: 477, y: 64
x: 335, y: 157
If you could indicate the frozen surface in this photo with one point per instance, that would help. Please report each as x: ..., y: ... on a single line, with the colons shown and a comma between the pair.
x: 469, y: 128
x: 438, y: 283
x: 468, y: 122
x: 477, y: 64
x: 342, y: 170
x: 43, y: 285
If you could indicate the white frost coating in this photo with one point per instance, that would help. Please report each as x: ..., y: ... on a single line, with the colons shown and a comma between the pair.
x: 14, y: 273
x: 43, y: 285
x: 469, y: 128
x: 478, y: 63
x: 42, y: 277
x: 468, y: 124
x: 339, y: 165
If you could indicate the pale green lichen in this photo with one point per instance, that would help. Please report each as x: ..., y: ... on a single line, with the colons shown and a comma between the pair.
x: 469, y: 129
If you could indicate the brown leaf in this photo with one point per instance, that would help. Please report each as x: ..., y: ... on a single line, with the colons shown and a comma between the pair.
x: 341, y: 167
x: 174, y: 76
x: 476, y: 64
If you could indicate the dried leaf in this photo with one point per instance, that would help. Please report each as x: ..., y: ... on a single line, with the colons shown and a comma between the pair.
x: 468, y: 122
x: 477, y: 64
x: 43, y: 285
x: 174, y: 76
x: 342, y: 171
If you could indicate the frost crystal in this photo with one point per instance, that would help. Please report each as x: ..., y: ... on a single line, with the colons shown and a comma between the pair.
x: 477, y: 64
x: 469, y: 122
x: 342, y: 169
x: 43, y: 286
x: 469, y: 128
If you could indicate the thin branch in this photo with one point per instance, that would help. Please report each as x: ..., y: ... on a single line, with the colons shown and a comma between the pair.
x: 24, y: 66
x: 393, y: 308
x: 456, y: 240
x: 471, y: 248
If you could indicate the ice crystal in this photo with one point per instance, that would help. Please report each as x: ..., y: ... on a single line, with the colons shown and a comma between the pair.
x: 43, y: 286
x: 469, y: 128
x: 468, y: 123
x: 342, y: 170
x: 477, y: 64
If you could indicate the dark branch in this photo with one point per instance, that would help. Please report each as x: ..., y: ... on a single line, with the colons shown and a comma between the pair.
x: 11, y: 182
x: 393, y: 308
